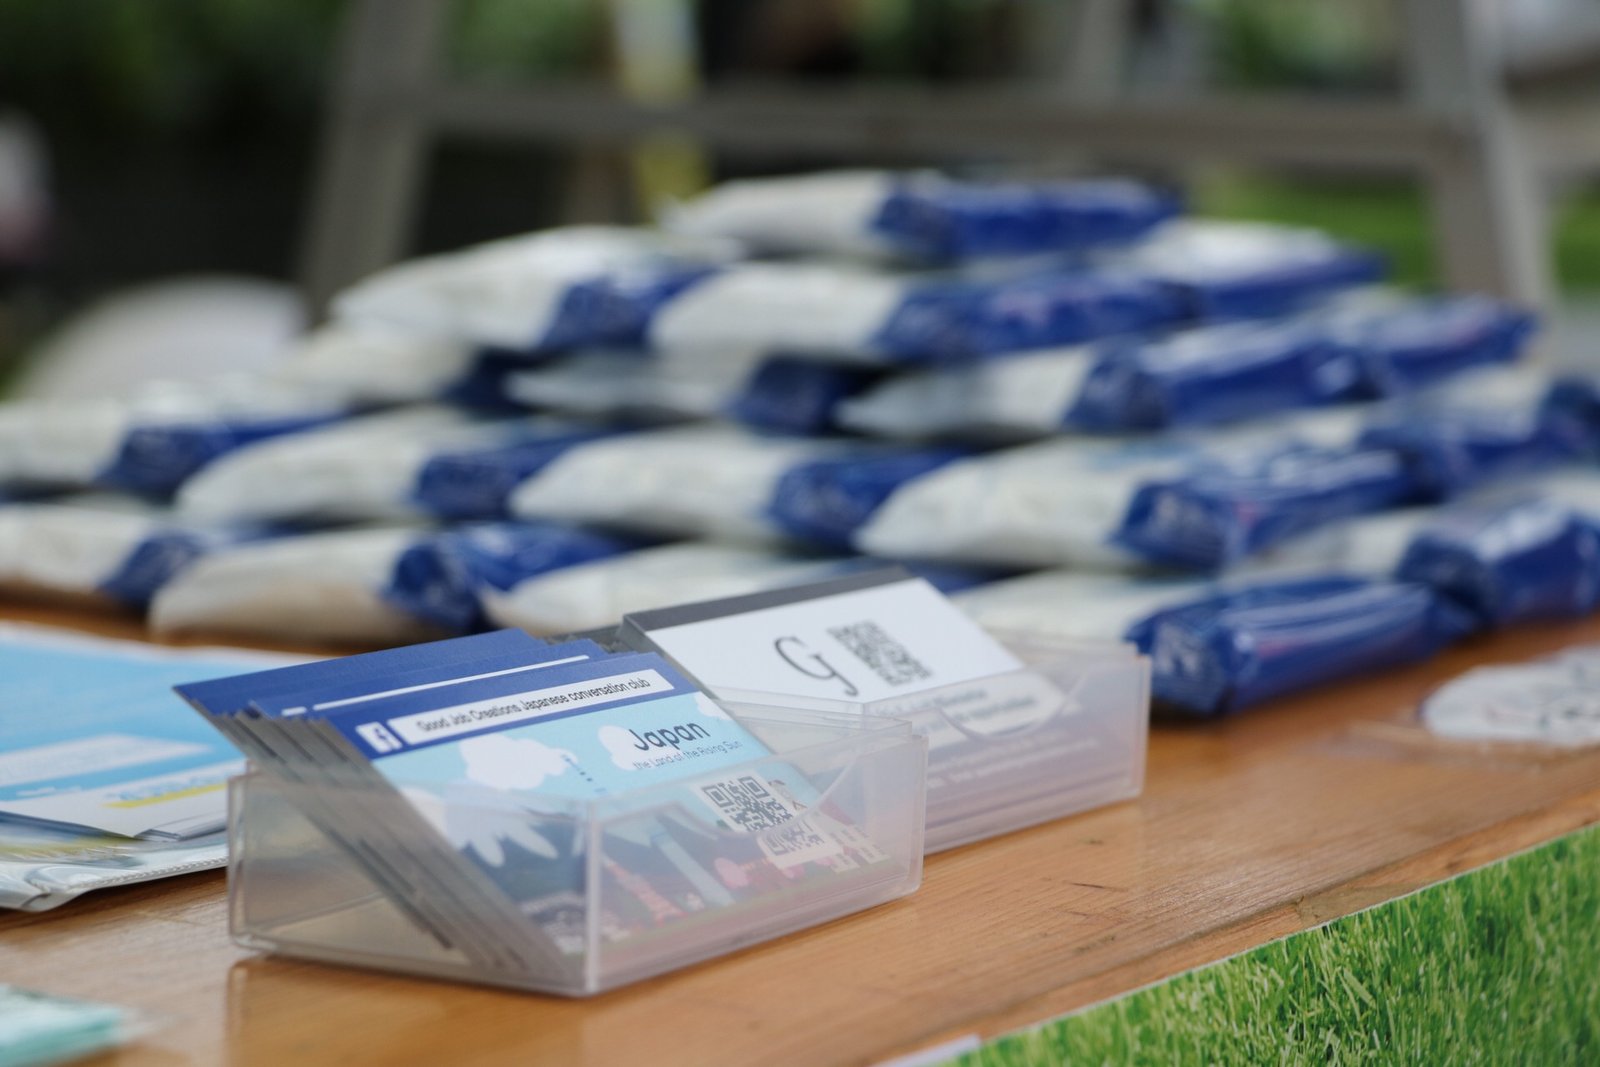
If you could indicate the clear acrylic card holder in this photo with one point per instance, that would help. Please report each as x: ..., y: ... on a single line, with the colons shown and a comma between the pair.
x: 1065, y: 734
x: 603, y: 891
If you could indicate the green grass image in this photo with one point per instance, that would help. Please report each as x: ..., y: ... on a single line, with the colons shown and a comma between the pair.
x: 1498, y: 966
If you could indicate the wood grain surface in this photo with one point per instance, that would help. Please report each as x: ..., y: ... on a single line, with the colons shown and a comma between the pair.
x: 1249, y: 829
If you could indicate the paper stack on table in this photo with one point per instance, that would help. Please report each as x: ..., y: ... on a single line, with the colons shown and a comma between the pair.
x: 104, y: 780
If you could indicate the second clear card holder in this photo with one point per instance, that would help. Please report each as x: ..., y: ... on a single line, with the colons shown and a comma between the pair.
x: 1065, y: 734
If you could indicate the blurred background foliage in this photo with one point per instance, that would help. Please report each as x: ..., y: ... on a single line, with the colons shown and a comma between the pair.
x: 180, y: 133
x: 1308, y: 44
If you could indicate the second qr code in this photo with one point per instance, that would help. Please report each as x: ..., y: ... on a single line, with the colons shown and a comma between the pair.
x: 886, y: 657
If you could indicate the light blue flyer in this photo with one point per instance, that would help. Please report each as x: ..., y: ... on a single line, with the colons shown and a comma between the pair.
x: 92, y: 737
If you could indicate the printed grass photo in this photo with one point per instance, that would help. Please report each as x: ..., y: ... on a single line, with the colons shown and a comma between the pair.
x: 1496, y: 966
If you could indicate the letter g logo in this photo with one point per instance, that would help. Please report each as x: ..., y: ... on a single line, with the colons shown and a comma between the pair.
x: 794, y: 652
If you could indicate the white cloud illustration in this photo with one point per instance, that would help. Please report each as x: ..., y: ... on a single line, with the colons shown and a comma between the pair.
x: 501, y: 762
x: 624, y: 748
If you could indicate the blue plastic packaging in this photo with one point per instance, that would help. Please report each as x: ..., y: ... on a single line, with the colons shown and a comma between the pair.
x: 1250, y: 643
x: 1280, y: 290
x: 539, y: 292
x: 920, y: 216
x: 934, y: 323
x: 849, y: 314
x: 1067, y: 306
x: 798, y: 395
x: 956, y: 322
x: 961, y: 321
x: 1450, y: 450
x: 156, y: 459
x: 483, y: 384
x: 1240, y: 270
x: 1419, y: 343
x: 475, y: 483
x: 1517, y: 562
x: 440, y: 577
x: 155, y: 560
x: 1576, y: 397
x: 824, y: 501
x: 942, y: 220
x: 1220, y: 513
x: 103, y: 547
x: 613, y: 310
x: 1213, y: 374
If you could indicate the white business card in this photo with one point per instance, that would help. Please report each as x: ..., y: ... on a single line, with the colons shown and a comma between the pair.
x: 859, y: 645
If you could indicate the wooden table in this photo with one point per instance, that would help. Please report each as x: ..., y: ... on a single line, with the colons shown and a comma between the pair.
x: 1249, y: 830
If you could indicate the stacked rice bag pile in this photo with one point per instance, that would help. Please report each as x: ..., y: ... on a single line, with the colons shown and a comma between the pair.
x: 85, y: 485
x: 796, y: 376
x: 1180, y: 402
x: 362, y: 494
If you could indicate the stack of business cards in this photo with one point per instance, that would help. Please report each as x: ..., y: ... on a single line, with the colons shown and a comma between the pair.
x: 44, y: 867
x: 517, y: 800
x: 1007, y: 739
x: 882, y: 640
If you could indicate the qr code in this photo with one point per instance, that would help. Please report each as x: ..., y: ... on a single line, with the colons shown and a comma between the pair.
x: 754, y: 805
x: 746, y: 803
x: 887, y: 658
x: 799, y: 838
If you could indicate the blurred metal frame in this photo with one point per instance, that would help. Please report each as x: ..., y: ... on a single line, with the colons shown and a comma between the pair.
x: 375, y: 145
x: 1455, y: 130
x: 1489, y: 229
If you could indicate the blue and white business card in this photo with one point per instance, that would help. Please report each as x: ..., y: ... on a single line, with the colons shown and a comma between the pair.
x: 463, y: 777
x: 590, y: 729
x: 324, y: 696
x: 585, y: 729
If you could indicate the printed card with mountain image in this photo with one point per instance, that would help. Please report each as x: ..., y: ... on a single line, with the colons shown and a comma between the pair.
x: 418, y: 873
x: 459, y: 775
x: 486, y: 764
